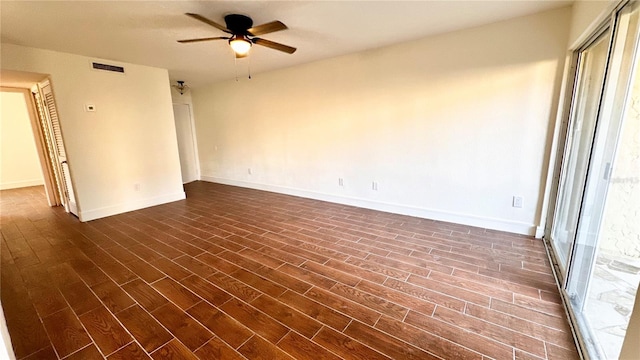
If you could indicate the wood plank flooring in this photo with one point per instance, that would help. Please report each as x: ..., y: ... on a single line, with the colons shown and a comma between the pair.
x: 232, y: 273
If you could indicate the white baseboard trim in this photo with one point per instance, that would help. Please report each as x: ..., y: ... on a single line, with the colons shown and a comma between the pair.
x: 88, y: 215
x: 433, y: 214
x: 539, y: 232
x: 21, y: 184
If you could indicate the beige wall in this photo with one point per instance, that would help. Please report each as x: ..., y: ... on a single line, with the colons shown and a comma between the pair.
x: 450, y: 127
x: 130, y: 139
x: 19, y: 163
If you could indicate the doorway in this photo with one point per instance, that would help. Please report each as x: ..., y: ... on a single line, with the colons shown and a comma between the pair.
x: 19, y: 163
x: 42, y: 113
x: 595, y: 232
x: 186, y: 142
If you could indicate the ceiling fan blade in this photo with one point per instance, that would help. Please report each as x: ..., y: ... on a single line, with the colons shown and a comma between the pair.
x: 203, y: 39
x: 208, y: 22
x: 267, y: 28
x: 274, y: 45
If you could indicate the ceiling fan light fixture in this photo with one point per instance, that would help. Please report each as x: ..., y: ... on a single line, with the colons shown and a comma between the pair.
x: 240, y: 45
x: 180, y: 86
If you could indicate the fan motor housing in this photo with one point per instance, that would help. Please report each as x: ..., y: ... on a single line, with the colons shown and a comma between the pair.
x: 238, y: 24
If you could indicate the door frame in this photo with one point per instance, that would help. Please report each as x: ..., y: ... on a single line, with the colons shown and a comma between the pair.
x: 53, y: 195
x: 29, y: 85
x: 47, y: 142
x: 58, y: 150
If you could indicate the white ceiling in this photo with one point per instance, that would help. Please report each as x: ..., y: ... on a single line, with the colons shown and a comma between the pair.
x: 145, y: 32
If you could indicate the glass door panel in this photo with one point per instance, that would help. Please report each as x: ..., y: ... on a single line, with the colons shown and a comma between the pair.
x: 614, y: 279
x: 592, y: 63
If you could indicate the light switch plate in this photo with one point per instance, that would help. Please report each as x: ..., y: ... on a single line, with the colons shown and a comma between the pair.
x: 517, y: 202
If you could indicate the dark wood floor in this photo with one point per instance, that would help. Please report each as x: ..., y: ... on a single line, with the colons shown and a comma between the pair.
x: 233, y: 273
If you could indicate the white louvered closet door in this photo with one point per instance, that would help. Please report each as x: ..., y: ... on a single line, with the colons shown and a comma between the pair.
x: 58, y: 145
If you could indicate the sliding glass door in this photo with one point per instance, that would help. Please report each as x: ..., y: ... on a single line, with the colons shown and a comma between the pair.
x: 592, y: 63
x: 596, y: 227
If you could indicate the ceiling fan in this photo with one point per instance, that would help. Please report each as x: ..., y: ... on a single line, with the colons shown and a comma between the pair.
x: 243, y: 33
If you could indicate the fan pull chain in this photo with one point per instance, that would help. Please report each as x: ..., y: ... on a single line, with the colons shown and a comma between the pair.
x: 249, y: 65
x: 235, y: 62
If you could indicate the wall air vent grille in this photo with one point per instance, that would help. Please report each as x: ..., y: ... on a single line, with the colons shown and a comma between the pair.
x: 106, y: 67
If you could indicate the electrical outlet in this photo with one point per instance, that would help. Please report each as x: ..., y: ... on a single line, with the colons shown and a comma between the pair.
x: 374, y: 186
x: 340, y: 182
x: 136, y: 187
x: 249, y: 171
x: 517, y: 202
